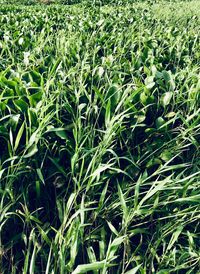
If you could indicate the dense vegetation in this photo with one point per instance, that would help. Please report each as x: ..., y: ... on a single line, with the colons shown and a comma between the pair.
x: 99, y: 138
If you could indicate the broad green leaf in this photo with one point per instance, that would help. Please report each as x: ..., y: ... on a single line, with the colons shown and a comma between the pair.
x: 159, y: 122
x: 21, y: 105
x: 166, y: 98
x: 149, y: 82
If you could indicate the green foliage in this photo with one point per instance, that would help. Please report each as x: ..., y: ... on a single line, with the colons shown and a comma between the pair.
x: 99, y: 137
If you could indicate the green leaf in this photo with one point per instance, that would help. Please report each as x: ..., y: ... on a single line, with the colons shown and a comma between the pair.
x: 1, y: 173
x: 112, y: 228
x: 47, y: 271
x: 21, y: 105
x: 149, y: 82
x: 134, y: 270
x: 32, y: 263
x: 166, y: 98
x: 143, y: 98
x: 35, y: 98
x: 62, y: 134
x: 167, y: 75
x: 32, y: 151
x: 114, y: 246
x: 108, y: 113
x: 55, y: 67
x: 84, y: 268
x: 174, y: 237
x: 159, y: 122
x: 91, y: 256
x: 123, y: 204
x: 19, y: 135
x: 39, y: 173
